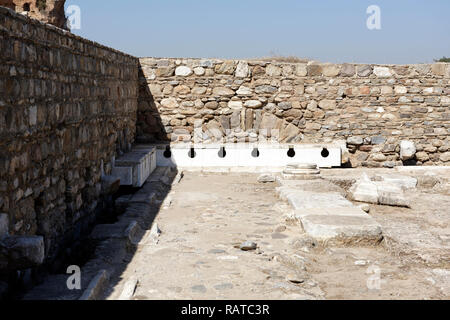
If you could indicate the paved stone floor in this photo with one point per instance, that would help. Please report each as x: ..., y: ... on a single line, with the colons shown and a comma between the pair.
x: 207, y: 216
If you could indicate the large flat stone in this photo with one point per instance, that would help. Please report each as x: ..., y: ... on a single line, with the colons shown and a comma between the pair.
x: 328, y: 216
x: 349, y: 225
x: 306, y: 200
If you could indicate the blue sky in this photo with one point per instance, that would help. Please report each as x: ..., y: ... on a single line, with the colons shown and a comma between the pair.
x: 412, y: 31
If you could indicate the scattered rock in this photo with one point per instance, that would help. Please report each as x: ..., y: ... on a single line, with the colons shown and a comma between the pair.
x: 365, y: 207
x: 361, y: 263
x: 155, y: 232
x: 378, y: 192
x: 266, y: 178
x: 248, y: 246
x: 296, y: 278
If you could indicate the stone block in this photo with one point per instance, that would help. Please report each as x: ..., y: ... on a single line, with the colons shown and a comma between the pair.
x: 21, y: 252
x: 136, y: 166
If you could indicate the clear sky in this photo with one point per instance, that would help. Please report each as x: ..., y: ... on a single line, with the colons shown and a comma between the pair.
x: 412, y: 31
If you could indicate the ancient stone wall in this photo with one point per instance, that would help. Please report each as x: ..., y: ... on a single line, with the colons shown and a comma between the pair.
x: 67, y: 107
x: 368, y: 109
x: 48, y: 11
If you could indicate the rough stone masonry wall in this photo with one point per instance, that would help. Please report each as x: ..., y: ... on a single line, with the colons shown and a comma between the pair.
x: 67, y: 107
x: 369, y: 109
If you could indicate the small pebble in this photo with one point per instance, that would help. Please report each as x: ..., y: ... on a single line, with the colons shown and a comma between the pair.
x: 248, y: 246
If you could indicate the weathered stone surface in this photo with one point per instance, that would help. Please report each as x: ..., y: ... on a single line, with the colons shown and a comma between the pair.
x: 273, y: 71
x: 183, y: 71
x: 170, y: 103
x: 327, y: 104
x: 364, y: 191
x: 290, y: 133
x: 407, y: 150
x: 254, y: 104
x: 227, y: 67
x: 422, y: 156
x: 445, y: 157
x: 242, y: 70
x: 199, y: 71
x: 265, y: 89
x: 331, y: 70
x: 265, y: 178
x: 235, y: 105
x: 244, y: 91
x: 357, y: 141
x: 66, y: 133
x: 330, y: 217
x: 21, y: 252
x: 222, y: 91
x: 376, y: 103
x: 364, y: 71
x: 386, y: 192
x: 347, y: 70
x: 382, y: 72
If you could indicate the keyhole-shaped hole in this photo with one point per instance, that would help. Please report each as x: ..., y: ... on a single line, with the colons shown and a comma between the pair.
x: 192, y: 154
x: 168, y: 152
x: 325, y: 153
x: 255, y: 153
x: 291, y: 153
x: 222, y: 152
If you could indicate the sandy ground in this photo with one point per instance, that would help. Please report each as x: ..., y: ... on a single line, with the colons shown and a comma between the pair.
x: 196, y: 256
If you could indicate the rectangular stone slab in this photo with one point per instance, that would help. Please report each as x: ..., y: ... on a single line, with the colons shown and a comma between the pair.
x: 135, y: 167
x: 331, y: 218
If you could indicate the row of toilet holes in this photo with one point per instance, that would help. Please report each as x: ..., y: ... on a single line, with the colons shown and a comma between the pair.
x: 255, y: 153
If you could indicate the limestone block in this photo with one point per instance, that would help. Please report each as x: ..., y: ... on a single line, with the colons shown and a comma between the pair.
x: 364, y: 191
x: 136, y: 166
x: 407, y: 150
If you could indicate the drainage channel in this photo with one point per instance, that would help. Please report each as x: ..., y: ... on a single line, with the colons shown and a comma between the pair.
x: 107, y: 247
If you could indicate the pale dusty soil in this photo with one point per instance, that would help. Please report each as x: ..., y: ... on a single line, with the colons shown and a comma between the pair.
x: 195, y: 257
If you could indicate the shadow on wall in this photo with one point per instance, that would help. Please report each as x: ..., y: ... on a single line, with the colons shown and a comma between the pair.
x: 150, y: 127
